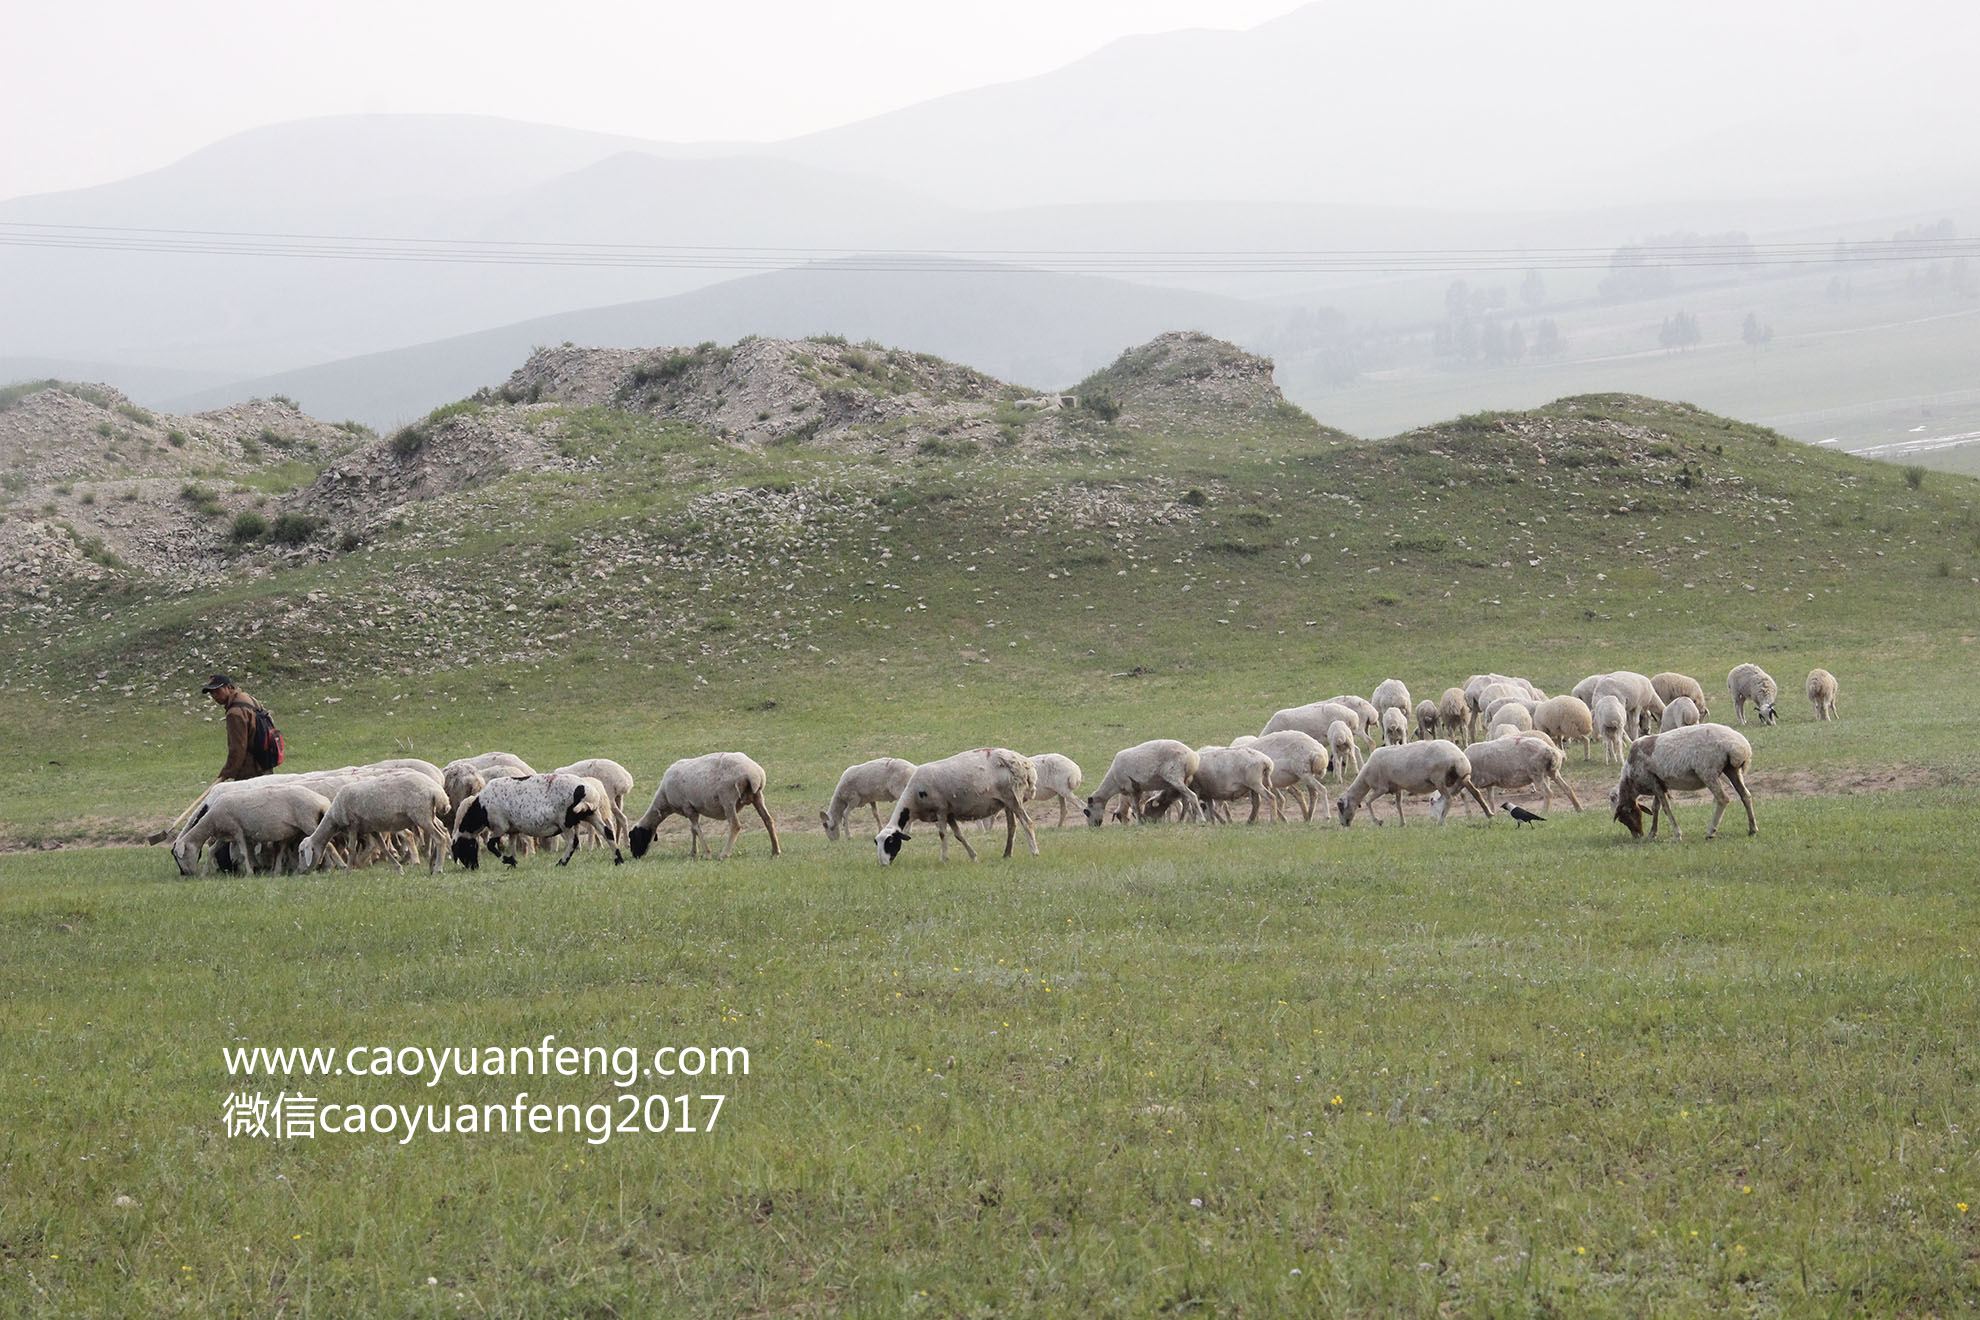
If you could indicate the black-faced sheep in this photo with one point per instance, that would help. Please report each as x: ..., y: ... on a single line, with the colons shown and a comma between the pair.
x: 968, y: 786
x: 714, y: 785
x: 529, y: 807
x: 1698, y: 756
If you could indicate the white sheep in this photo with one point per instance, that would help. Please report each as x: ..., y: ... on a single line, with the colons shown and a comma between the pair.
x: 1505, y: 731
x: 256, y: 812
x: 1566, y: 719
x: 1612, y: 725
x: 511, y: 808
x: 1521, y: 760
x: 1642, y: 707
x: 1513, y: 711
x: 1453, y: 713
x: 1681, y: 711
x: 1749, y: 682
x: 1671, y: 685
x: 1478, y: 685
x: 972, y: 785
x: 1314, y: 718
x: 1417, y: 769
x: 1392, y: 694
x: 1822, y: 693
x: 380, y: 804
x: 716, y: 784
x: 1150, y: 767
x: 1395, y: 726
x: 1367, y: 720
x: 1058, y: 777
x: 867, y: 784
x: 1341, y: 747
x: 1299, y: 764
x: 616, y: 780
x: 1225, y: 774
x: 465, y: 777
x: 1697, y: 756
x: 1426, y: 720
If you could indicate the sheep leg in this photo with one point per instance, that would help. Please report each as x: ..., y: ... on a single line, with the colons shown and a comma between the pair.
x: 1721, y: 800
x: 570, y: 841
x: 436, y: 843
x: 1483, y: 805
x: 242, y: 850
x: 735, y: 828
x: 876, y: 816
x: 776, y: 844
x: 1663, y: 799
x: 1738, y: 781
x: 1400, y: 821
x: 1566, y: 787
x: 955, y: 828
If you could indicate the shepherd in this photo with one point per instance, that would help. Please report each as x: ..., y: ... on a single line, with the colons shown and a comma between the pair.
x: 254, y: 747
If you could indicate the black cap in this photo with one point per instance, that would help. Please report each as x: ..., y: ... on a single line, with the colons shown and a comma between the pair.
x: 217, y: 682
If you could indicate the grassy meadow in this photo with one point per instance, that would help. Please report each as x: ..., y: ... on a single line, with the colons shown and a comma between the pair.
x: 1471, y: 1070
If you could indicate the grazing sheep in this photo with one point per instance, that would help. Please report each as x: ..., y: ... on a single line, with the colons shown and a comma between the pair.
x: 1392, y: 694
x: 274, y: 815
x: 1147, y: 768
x: 1749, y: 682
x: 1697, y: 756
x: 1225, y: 774
x: 1512, y: 711
x: 467, y: 776
x: 971, y: 785
x: 1566, y: 719
x: 1644, y: 702
x: 1058, y: 777
x: 1504, y: 731
x: 1478, y: 685
x: 1367, y: 721
x: 1822, y: 693
x: 1395, y: 726
x: 716, y: 784
x: 1341, y: 747
x: 1426, y: 720
x: 1299, y: 764
x: 1453, y: 713
x: 616, y: 779
x: 1520, y: 761
x: 867, y: 784
x: 511, y: 808
x: 1612, y: 723
x: 1314, y: 718
x: 1417, y: 769
x: 379, y: 804
x: 1671, y: 685
x: 1681, y: 712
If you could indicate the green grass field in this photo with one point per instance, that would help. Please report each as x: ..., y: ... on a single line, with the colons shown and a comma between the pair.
x: 1155, y: 1071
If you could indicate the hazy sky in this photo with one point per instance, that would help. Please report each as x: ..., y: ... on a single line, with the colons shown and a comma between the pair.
x: 100, y: 89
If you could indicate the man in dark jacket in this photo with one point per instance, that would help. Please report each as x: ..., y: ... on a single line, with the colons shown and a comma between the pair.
x: 240, y: 708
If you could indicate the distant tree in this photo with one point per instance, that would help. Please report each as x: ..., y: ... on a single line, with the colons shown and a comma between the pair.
x: 1533, y: 289
x: 1515, y: 343
x: 1547, y: 341
x: 1680, y: 331
x: 1467, y: 340
x: 1753, y: 332
x: 1457, y: 299
x: 1492, y: 342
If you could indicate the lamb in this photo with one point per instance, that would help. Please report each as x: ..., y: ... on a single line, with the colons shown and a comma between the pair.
x: 1367, y: 719
x: 1150, y: 767
x: 1225, y: 774
x: 1419, y: 768
x: 1314, y: 718
x: 1749, y: 682
x: 1681, y: 712
x: 1341, y: 746
x: 867, y: 784
x: 1822, y: 693
x: 1299, y: 763
x: 1453, y: 713
x: 1058, y: 777
x: 1520, y: 761
x: 1697, y: 756
x: 1670, y: 686
x: 616, y: 780
x: 1565, y: 719
x: 528, y: 806
x: 1426, y: 720
x: 1641, y: 704
x: 380, y: 804
x: 716, y: 784
x: 257, y: 812
x: 1395, y: 726
x: 1512, y: 711
x: 1392, y: 694
x: 1612, y: 722
x: 971, y: 785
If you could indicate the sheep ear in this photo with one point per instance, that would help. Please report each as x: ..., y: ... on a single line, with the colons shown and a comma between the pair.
x: 578, y: 796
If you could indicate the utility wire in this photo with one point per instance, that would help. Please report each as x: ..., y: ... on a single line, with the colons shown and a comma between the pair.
x: 1090, y: 261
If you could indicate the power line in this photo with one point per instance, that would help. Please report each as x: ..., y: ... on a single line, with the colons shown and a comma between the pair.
x: 1091, y: 261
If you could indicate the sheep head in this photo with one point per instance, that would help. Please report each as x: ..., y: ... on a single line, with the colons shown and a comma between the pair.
x: 888, y: 841
x: 467, y: 850
x: 639, y: 840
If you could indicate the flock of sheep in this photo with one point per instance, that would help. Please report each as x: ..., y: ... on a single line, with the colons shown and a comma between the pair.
x: 1654, y: 726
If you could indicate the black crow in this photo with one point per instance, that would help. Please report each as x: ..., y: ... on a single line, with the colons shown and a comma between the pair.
x: 1521, y: 815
